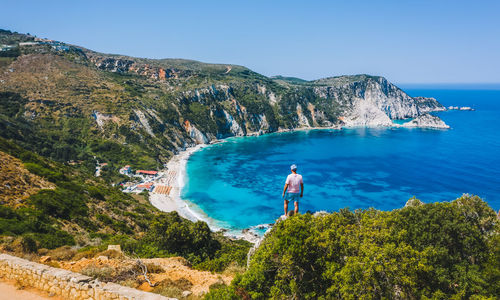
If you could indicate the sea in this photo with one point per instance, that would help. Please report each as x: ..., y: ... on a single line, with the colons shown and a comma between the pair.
x: 238, y: 184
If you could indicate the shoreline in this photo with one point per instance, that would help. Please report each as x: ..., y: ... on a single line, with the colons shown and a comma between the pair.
x: 174, y: 175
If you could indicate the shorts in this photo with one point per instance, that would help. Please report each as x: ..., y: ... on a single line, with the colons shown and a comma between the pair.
x: 292, y: 197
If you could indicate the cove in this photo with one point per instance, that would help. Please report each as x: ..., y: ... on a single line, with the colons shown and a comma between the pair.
x: 238, y: 183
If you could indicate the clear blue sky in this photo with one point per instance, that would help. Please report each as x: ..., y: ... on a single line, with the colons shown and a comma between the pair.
x: 405, y: 41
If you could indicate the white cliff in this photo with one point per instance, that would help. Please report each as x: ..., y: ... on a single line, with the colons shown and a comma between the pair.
x: 426, y: 121
x: 303, y: 122
x: 366, y: 113
x: 144, y: 122
x: 234, y: 127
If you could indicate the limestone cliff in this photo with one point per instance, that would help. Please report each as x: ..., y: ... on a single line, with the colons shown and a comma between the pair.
x: 428, y: 104
x: 153, y: 108
x: 426, y: 121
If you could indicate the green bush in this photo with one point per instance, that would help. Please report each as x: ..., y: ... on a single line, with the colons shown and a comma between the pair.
x: 104, y: 219
x: 45, y: 172
x: 230, y: 252
x: 439, y: 250
x: 178, y: 236
x: 55, y: 239
x: 29, y: 243
x: 60, y: 203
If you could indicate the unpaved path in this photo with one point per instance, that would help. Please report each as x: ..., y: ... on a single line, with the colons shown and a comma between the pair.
x: 8, y: 291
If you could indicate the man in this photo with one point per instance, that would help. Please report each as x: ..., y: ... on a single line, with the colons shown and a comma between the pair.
x: 293, y: 183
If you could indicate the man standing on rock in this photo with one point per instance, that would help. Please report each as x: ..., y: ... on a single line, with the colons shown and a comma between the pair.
x: 293, y: 183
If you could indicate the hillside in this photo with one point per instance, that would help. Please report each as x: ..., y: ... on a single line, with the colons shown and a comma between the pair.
x: 63, y: 108
x: 17, y: 182
x: 71, y: 104
x: 72, y: 208
x: 447, y: 250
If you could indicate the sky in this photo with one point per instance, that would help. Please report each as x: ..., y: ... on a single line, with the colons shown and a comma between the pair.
x: 424, y: 41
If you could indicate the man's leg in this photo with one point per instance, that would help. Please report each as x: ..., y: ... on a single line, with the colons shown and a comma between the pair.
x: 286, y: 207
x: 296, y: 207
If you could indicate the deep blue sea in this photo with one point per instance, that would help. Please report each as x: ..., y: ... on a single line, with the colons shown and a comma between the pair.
x: 238, y: 183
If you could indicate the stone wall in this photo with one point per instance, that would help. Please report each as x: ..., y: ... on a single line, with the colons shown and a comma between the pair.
x: 65, y: 283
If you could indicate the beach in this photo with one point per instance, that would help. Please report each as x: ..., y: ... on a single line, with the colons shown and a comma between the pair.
x: 173, y: 176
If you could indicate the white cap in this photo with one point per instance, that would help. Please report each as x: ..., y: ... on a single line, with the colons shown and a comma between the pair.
x: 293, y: 167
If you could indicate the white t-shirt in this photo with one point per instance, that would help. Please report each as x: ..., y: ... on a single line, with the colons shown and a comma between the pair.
x: 294, y: 181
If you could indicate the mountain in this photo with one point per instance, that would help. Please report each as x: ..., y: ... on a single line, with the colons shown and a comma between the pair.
x: 64, y: 107
x: 72, y: 104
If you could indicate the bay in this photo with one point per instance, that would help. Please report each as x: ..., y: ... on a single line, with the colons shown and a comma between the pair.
x: 238, y: 183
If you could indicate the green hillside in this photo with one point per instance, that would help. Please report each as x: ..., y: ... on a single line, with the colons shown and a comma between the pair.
x: 423, y: 251
x: 64, y: 107
x: 87, y: 212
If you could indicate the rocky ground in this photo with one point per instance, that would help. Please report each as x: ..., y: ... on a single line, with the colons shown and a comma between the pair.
x: 165, y: 274
x: 17, y: 183
x: 171, y: 277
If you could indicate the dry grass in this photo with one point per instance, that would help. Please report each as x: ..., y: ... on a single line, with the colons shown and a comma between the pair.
x: 17, y: 182
x: 102, y: 273
x: 174, y: 288
x: 86, y: 254
x: 64, y: 253
x: 233, y: 269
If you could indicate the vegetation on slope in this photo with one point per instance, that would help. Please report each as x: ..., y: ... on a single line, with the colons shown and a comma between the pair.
x: 76, y: 104
x: 423, y: 251
x: 88, y: 212
x: 60, y: 106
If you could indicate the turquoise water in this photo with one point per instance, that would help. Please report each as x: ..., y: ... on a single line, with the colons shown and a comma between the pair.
x: 239, y: 182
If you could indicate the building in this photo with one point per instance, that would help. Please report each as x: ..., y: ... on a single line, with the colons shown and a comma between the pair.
x: 6, y: 47
x: 146, y: 173
x: 29, y: 43
x: 149, y: 186
x: 126, y: 170
x: 60, y: 47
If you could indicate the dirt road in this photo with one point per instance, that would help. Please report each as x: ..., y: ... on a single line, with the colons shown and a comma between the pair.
x: 9, y: 291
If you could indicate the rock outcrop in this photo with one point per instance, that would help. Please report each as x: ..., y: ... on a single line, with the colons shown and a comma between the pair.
x: 428, y: 104
x: 372, y: 100
x: 426, y: 121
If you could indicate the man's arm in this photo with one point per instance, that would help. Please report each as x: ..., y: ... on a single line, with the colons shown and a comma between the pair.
x: 284, y: 189
x: 301, y: 189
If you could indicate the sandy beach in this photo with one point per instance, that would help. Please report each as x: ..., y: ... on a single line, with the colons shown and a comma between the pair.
x: 173, y: 176
x: 167, y: 193
x: 168, y: 187
x: 172, y: 179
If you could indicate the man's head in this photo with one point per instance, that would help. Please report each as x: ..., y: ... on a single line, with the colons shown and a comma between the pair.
x: 293, y: 168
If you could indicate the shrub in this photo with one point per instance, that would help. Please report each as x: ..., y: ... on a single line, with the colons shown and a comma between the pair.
x: 172, y: 288
x: 29, y: 244
x: 60, y: 203
x: 439, y: 250
x: 54, y: 239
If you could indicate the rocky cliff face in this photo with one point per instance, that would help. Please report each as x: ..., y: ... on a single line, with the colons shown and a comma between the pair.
x: 426, y: 121
x: 372, y: 101
x: 428, y: 104
x: 122, y: 64
x: 363, y: 101
x: 153, y: 108
x: 359, y: 100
